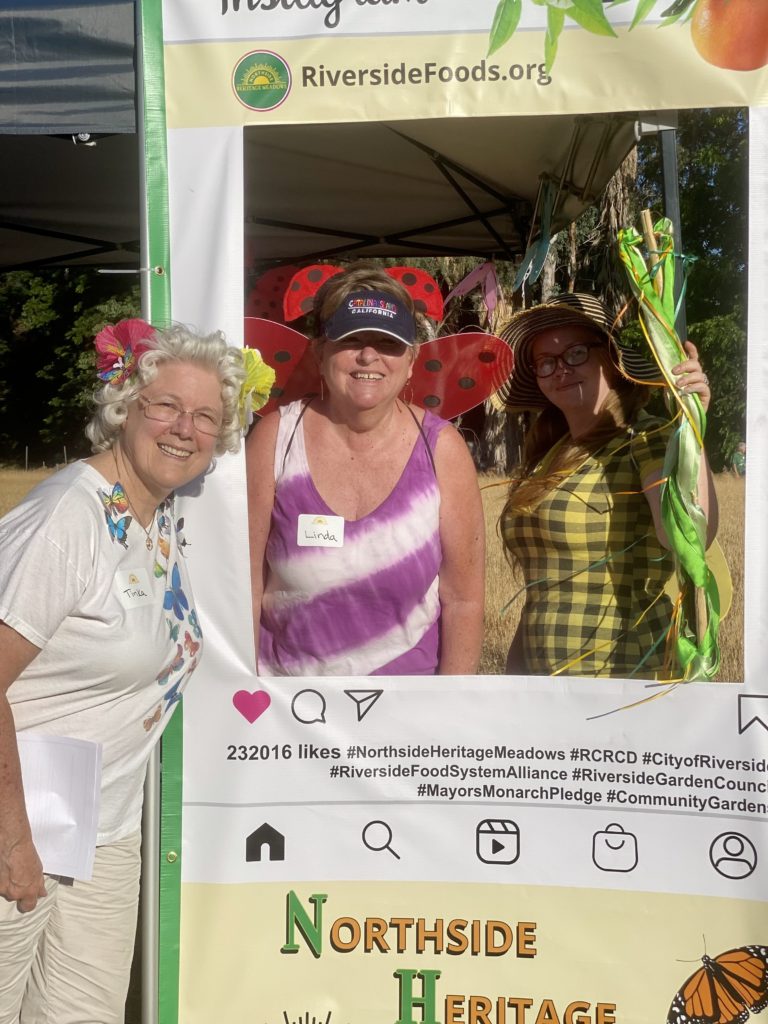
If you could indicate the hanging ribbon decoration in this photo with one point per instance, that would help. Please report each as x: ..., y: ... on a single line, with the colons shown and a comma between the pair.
x: 486, y: 276
x: 697, y: 616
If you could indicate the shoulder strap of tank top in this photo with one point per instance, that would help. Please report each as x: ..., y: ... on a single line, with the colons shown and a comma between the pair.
x: 293, y: 433
x: 423, y: 437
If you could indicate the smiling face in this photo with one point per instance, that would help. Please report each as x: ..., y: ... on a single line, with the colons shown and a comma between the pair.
x: 577, y: 391
x: 161, y: 457
x: 366, y: 370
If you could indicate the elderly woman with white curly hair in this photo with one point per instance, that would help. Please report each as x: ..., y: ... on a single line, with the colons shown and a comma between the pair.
x: 98, y: 638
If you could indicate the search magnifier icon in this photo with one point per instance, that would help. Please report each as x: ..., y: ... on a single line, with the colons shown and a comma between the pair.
x: 377, y: 836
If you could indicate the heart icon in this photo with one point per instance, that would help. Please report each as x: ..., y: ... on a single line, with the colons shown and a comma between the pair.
x: 251, y: 705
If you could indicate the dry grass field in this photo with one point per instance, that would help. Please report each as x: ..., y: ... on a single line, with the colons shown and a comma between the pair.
x: 14, y: 484
x: 501, y: 585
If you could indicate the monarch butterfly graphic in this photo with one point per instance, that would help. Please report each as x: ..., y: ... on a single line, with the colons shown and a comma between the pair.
x: 155, y: 717
x: 725, y: 990
x: 191, y: 646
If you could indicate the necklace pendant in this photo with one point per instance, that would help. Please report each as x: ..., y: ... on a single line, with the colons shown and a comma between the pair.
x: 149, y: 543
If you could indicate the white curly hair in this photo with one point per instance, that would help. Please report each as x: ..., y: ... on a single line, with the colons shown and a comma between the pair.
x: 181, y: 345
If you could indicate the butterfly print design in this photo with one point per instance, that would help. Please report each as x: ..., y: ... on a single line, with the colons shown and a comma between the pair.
x: 118, y: 529
x: 195, y: 624
x: 725, y: 990
x: 175, y: 598
x: 114, y: 501
x: 174, y: 695
x: 191, y: 646
x: 175, y: 666
x: 153, y: 718
x: 180, y: 539
x: 163, y: 524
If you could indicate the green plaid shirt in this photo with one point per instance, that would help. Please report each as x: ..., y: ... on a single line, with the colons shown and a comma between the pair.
x: 593, y: 564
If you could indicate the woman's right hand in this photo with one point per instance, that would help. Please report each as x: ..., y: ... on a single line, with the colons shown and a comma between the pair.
x: 21, y: 873
x: 690, y: 377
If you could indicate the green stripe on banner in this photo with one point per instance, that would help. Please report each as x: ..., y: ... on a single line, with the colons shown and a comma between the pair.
x: 157, y: 299
x: 170, y: 871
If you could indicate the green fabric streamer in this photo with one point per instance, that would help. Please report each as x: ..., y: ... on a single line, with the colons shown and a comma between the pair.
x: 697, y: 651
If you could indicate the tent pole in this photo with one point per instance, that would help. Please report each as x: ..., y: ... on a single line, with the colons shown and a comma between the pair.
x: 671, y: 192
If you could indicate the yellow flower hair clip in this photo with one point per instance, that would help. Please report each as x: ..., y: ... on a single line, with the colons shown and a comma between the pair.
x: 257, y: 386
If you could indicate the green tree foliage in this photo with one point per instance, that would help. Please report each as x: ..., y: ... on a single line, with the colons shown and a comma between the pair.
x: 714, y: 174
x: 722, y: 345
x: 714, y: 177
x: 47, y: 375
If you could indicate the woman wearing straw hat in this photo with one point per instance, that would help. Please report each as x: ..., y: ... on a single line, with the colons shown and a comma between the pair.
x: 583, y: 517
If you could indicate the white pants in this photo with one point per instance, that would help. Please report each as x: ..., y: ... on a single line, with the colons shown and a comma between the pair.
x: 69, y: 960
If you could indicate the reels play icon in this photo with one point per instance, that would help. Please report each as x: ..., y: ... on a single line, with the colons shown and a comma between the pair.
x: 497, y: 841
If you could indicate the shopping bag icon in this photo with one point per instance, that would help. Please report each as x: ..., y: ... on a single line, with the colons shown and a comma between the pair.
x: 613, y: 849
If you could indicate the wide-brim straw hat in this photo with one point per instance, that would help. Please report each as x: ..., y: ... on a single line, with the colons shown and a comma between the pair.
x: 521, y: 391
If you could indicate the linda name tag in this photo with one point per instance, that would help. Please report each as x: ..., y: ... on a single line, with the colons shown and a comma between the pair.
x: 134, y: 588
x: 320, y: 531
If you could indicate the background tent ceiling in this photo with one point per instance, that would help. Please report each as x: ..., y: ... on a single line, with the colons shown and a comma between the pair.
x: 69, y: 205
x: 437, y: 186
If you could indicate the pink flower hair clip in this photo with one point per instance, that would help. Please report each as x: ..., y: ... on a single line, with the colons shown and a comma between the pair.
x: 118, y: 347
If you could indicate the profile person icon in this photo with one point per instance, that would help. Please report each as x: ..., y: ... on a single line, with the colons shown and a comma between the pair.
x: 732, y: 855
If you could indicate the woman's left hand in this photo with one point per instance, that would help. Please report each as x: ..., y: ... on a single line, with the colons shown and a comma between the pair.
x: 691, y: 379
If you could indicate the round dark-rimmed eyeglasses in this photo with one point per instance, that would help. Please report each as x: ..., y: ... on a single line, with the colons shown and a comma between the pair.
x: 574, y: 355
x: 164, y: 411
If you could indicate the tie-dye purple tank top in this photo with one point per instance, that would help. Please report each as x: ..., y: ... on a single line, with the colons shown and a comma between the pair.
x: 370, y: 607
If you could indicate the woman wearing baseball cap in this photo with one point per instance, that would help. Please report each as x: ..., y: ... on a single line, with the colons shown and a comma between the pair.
x: 583, y: 519
x: 367, y: 540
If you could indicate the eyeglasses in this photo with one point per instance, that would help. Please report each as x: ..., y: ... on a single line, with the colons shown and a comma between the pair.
x: 574, y: 355
x: 164, y: 411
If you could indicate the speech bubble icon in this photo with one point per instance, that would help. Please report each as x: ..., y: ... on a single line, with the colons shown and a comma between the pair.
x: 308, y: 707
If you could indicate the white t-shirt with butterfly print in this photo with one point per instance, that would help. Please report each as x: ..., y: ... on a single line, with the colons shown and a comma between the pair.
x: 115, y: 622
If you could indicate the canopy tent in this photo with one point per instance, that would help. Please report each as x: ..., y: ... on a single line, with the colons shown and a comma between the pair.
x: 69, y: 205
x: 365, y: 189
x: 69, y: 170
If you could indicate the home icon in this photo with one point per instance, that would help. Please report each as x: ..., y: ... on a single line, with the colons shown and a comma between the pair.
x: 267, y: 836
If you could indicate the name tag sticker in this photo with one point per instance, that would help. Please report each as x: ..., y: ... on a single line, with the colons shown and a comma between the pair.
x: 134, y: 588
x: 320, y: 531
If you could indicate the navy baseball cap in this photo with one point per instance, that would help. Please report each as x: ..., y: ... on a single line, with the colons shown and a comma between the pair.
x: 371, y: 311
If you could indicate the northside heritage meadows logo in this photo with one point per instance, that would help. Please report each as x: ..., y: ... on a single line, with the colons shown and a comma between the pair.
x: 261, y: 80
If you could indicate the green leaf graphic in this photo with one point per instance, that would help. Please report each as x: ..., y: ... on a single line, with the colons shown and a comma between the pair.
x: 555, y: 21
x: 505, y: 22
x: 677, y: 8
x: 644, y: 8
x: 591, y: 16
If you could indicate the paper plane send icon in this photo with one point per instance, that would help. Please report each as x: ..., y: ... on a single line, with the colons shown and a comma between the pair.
x: 364, y: 700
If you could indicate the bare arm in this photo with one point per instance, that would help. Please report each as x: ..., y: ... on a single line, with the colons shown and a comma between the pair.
x: 691, y: 380
x: 21, y: 873
x: 260, y: 470
x: 462, y: 571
